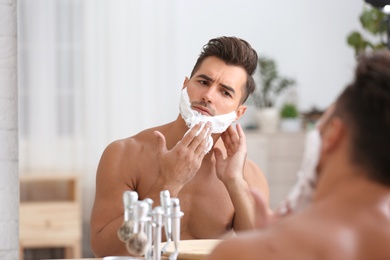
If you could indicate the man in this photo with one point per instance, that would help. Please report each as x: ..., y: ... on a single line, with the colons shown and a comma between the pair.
x: 172, y: 157
x: 349, y: 216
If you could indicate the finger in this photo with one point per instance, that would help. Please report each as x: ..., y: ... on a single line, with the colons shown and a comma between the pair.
x: 262, y: 217
x: 189, y: 137
x: 231, y: 140
x: 201, y: 138
x: 234, y: 137
x: 161, y: 142
x: 242, y: 138
x: 201, y: 148
x: 226, y: 137
x: 218, y: 155
x: 241, y: 133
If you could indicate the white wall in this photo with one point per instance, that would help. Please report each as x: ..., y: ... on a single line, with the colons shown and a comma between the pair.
x: 307, y: 38
x: 9, y: 185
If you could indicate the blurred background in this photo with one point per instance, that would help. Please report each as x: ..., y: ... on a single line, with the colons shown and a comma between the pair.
x: 94, y: 71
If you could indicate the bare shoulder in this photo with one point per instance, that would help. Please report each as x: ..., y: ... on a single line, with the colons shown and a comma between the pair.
x: 117, y: 155
x: 290, y: 238
x: 311, y: 233
x: 118, y: 171
x: 317, y: 232
x: 131, y: 144
x: 255, y: 177
x: 120, y: 148
x: 123, y: 158
x: 258, y: 244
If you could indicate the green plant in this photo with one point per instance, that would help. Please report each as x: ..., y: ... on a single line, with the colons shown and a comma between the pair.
x: 271, y: 83
x: 289, y: 111
x: 374, y: 24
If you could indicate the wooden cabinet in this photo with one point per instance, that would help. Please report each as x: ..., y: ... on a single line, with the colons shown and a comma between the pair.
x: 50, y: 213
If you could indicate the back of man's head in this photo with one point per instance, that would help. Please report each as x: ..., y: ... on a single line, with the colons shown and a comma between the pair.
x: 233, y: 51
x: 365, y: 108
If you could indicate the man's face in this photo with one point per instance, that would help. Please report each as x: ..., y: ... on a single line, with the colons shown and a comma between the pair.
x: 217, y: 88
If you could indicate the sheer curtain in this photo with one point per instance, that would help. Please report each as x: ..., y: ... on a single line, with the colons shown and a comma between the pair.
x: 50, y: 90
x: 91, y: 72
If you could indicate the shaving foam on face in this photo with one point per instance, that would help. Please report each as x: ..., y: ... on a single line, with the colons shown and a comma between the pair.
x: 219, y: 123
x: 301, y: 194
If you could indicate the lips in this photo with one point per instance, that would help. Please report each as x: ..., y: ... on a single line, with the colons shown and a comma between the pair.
x: 202, y: 110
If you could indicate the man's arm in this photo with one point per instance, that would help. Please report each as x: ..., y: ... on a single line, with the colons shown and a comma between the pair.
x: 107, y: 211
x: 254, y: 179
x: 239, y: 175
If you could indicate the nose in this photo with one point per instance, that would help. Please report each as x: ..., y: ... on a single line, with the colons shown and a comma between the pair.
x: 209, y: 94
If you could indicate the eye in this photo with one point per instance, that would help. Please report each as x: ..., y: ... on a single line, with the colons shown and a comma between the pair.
x: 226, y: 93
x: 203, y: 82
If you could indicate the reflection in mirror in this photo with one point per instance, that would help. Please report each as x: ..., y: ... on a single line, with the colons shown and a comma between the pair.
x: 94, y: 71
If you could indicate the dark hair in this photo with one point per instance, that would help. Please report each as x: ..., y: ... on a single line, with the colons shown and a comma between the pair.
x: 365, y: 106
x: 233, y: 51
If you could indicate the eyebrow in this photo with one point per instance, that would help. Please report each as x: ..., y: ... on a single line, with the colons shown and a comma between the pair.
x: 223, y: 85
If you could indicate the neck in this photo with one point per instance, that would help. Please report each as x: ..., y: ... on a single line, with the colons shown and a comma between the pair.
x: 351, y: 186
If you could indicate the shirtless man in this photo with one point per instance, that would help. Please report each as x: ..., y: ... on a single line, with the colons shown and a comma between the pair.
x: 166, y: 158
x: 349, y: 216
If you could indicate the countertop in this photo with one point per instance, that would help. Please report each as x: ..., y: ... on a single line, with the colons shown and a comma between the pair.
x: 188, y: 250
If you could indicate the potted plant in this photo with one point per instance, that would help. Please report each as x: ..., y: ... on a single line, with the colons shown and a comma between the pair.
x: 270, y: 86
x: 374, y: 23
x: 290, y: 121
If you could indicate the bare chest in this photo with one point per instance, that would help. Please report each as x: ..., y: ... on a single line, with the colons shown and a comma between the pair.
x: 205, y: 202
x: 208, y: 210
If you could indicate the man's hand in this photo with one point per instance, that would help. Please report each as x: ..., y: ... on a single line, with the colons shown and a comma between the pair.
x: 263, y: 215
x: 180, y: 164
x: 232, y: 167
x: 231, y: 172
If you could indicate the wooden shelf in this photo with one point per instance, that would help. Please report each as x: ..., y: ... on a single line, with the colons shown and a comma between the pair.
x: 48, y: 218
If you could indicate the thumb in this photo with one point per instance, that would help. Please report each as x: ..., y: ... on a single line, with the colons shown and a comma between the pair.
x: 218, y: 154
x: 262, y: 215
x: 161, y: 142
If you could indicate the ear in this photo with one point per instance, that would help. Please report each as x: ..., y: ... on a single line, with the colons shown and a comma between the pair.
x: 333, y: 134
x: 240, y: 111
x: 186, y: 80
